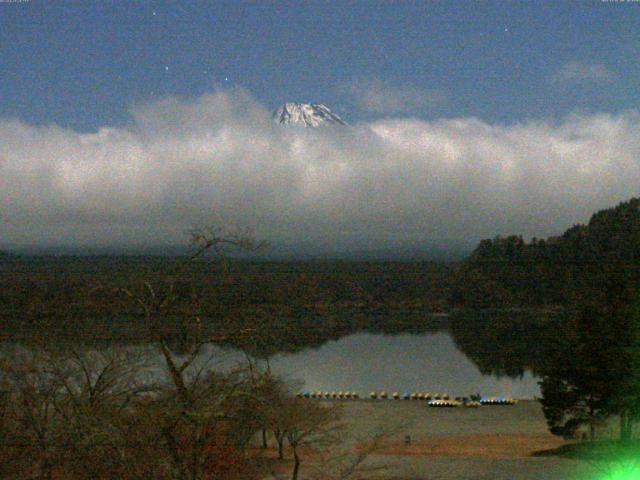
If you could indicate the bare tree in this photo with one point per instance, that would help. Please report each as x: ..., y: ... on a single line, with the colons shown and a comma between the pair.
x: 87, y: 413
x: 274, y: 409
x: 97, y: 397
x: 32, y: 394
x: 306, y: 423
x: 271, y: 391
x: 347, y: 459
x: 10, y: 450
x: 196, y: 408
x: 157, y: 303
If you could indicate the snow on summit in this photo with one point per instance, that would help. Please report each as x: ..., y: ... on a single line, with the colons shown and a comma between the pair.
x: 306, y: 115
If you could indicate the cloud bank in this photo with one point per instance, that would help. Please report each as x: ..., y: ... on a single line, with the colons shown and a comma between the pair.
x: 399, y: 183
x: 573, y: 72
x: 379, y: 97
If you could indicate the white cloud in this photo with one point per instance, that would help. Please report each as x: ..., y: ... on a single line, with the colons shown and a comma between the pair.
x: 380, y: 97
x: 572, y: 72
x: 400, y: 182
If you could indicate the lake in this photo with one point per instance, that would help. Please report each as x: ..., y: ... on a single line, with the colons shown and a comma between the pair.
x: 365, y: 362
x: 460, y: 355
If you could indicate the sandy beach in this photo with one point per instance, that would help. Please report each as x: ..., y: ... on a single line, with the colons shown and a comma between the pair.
x: 422, y: 443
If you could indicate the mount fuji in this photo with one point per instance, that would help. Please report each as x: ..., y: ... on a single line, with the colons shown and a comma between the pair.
x: 306, y: 115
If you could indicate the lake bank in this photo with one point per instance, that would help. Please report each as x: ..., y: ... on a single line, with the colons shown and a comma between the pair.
x: 490, y: 442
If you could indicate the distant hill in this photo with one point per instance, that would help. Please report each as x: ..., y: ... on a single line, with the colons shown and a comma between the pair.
x: 510, y: 271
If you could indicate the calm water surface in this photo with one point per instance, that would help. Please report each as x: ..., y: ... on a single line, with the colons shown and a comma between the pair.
x: 366, y: 362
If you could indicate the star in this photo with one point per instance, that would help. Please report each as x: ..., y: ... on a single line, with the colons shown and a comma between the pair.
x: 226, y: 79
x: 154, y: 14
x: 166, y: 67
x: 506, y: 29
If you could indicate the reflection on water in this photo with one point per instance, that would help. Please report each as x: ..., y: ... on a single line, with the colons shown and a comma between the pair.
x: 365, y: 362
x: 427, y: 363
x: 491, y: 353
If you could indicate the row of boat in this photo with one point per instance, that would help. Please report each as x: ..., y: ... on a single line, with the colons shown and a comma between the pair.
x: 473, y: 403
x: 498, y: 401
x: 434, y: 400
x: 409, y: 396
x: 339, y: 395
x: 453, y: 403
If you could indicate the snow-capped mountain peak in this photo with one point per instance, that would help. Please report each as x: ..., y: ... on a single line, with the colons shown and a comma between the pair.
x: 306, y: 115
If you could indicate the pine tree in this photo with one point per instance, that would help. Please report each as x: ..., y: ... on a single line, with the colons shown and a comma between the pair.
x: 594, y: 372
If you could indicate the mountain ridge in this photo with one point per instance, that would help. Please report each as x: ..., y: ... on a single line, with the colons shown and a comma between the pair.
x: 306, y: 115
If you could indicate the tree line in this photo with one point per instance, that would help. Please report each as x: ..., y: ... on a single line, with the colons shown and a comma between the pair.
x: 591, y: 363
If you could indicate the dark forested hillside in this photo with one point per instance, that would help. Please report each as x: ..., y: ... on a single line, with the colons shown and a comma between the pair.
x: 305, y: 302
x: 507, y: 271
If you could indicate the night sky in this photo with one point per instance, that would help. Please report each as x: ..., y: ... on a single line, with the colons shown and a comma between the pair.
x: 124, y: 123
